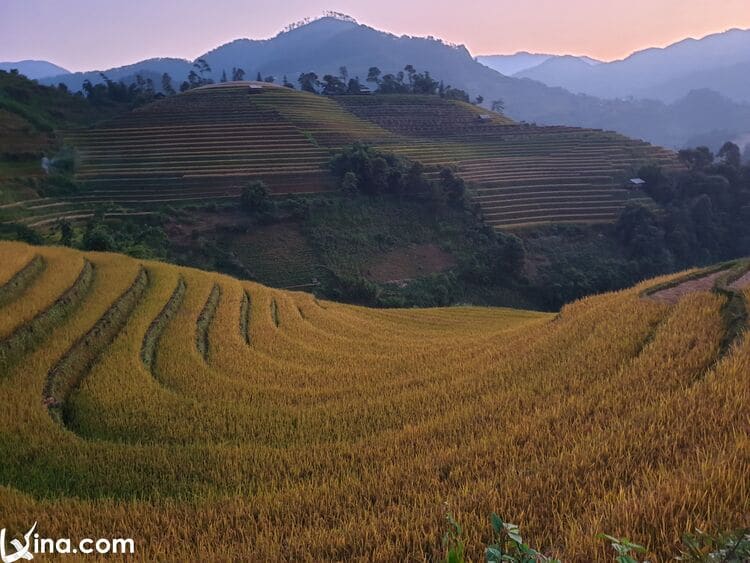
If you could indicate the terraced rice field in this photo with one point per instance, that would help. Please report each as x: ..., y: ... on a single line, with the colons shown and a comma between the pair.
x: 522, y: 175
x: 205, y: 144
x: 209, y: 418
x: 214, y: 135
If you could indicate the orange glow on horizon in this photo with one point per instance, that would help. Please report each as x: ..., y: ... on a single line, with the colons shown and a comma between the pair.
x: 90, y: 34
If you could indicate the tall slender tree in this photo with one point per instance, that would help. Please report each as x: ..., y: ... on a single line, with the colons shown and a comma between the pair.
x: 166, y: 84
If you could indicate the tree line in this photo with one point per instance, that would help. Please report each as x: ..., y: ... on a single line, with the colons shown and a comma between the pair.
x: 704, y: 213
x: 407, y: 81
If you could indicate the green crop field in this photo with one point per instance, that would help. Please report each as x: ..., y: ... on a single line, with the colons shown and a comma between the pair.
x: 205, y: 144
x: 214, y: 419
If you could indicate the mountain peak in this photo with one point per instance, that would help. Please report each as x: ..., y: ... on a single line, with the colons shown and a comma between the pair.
x: 328, y: 20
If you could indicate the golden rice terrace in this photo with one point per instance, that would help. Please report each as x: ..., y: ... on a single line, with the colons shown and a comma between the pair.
x: 214, y: 419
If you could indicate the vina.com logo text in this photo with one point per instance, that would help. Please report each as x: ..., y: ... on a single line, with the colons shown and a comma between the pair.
x: 33, y: 544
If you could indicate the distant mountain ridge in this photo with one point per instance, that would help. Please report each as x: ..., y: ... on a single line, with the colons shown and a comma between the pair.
x: 34, y: 69
x: 149, y: 68
x: 509, y: 65
x: 666, y: 74
x: 326, y: 44
x: 731, y: 81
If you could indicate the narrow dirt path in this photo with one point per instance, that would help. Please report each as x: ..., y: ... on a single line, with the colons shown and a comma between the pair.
x: 673, y: 294
x: 741, y: 283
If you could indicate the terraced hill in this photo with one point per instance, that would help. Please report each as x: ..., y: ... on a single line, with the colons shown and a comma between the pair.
x: 206, y: 143
x: 523, y: 175
x: 211, y: 418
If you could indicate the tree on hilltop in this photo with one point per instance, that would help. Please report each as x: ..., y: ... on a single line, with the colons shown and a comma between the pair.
x: 373, y: 75
x: 194, y: 80
x: 166, y: 84
x: 196, y: 77
x: 423, y: 83
x: 202, y: 67
x: 308, y: 82
x: 410, y: 71
x: 392, y: 84
x: 456, y: 94
x: 333, y: 85
x: 238, y: 74
x: 354, y: 86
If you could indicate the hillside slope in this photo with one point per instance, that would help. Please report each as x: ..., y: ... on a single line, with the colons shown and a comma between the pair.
x: 190, y: 410
x: 30, y: 114
x: 207, y: 143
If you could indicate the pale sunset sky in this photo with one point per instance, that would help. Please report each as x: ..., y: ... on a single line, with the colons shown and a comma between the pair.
x: 99, y: 34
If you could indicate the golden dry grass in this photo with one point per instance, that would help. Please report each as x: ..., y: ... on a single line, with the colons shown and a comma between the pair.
x: 341, y: 433
x: 61, y: 271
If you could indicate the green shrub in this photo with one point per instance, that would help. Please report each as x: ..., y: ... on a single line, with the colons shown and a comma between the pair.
x: 624, y: 548
x: 350, y: 183
x: 701, y: 547
x: 16, y: 231
x: 98, y: 237
x: 254, y: 197
x: 57, y: 184
x: 508, y: 545
x: 453, y: 541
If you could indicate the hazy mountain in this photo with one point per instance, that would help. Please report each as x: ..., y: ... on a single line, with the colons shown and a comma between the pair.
x: 34, y: 69
x: 732, y: 81
x: 557, y: 70
x: 715, y: 62
x: 512, y: 64
x: 708, y: 118
x: 324, y: 45
x: 149, y: 68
